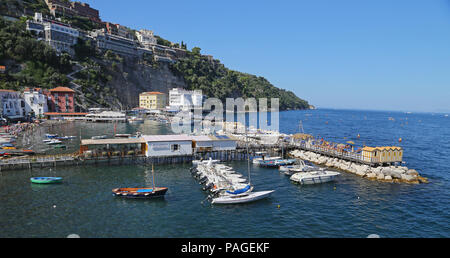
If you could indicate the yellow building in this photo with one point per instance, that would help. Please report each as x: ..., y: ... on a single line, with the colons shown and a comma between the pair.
x: 382, y: 154
x: 152, y: 100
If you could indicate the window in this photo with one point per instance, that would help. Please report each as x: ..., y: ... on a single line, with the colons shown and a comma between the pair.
x: 175, y: 147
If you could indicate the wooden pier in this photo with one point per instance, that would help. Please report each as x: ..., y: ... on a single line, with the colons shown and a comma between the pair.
x: 64, y: 160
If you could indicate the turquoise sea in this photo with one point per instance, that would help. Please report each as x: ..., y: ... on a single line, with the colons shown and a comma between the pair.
x: 350, y: 207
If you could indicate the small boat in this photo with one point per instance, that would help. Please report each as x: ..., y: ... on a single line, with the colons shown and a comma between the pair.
x: 46, y: 180
x: 99, y: 137
x: 140, y: 192
x: 263, y: 156
x: 66, y: 137
x: 122, y: 135
x: 53, y: 142
x: 314, y: 177
x: 51, y: 135
x: 60, y: 146
x: 135, y: 120
x: 242, y: 198
x: 297, y: 168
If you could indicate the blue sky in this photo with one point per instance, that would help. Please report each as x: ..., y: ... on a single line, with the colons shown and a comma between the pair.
x: 380, y: 54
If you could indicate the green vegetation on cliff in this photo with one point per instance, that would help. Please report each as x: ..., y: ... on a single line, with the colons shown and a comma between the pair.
x: 215, y: 80
x: 29, y: 62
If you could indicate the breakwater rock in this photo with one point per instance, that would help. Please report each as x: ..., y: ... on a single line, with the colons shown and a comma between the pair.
x: 395, y: 174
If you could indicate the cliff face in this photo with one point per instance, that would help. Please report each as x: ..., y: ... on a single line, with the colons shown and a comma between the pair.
x: 131, y: 78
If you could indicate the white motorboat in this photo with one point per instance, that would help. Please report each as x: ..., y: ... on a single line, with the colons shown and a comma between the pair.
x: 314, y: 177
x: 99, y: 137
x: 197, y: 162
x: 136, y: 120
x: 242, y: 198
x: 263, y: 156
x: 297, y: 168
x: 54, y: 141
x: 258, y: 161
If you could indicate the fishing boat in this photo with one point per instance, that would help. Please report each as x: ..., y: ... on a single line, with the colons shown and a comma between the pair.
x: 314, y: 177
x: 51, y: 135
x: 99, y: 137
x: 141, y: 193
x: 46, y: 180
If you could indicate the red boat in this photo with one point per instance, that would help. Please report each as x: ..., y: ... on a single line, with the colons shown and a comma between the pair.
x: 140, y: 192
x: 143, y: 193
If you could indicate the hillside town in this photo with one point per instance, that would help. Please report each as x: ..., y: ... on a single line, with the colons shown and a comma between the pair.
x: 110, y: 36
x: 59, y: 103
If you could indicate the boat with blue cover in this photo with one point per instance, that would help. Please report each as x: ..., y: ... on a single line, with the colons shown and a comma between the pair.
x: 277, y: 163
x: 46, y: 180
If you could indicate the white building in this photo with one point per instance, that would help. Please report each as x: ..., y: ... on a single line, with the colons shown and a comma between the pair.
x: 180, y: 99
x: 107, y: 116
x: 146, y: 38
x: 60, y: 36
x: 11, y: 104
x: 35, y: 102
x: 213, y: 143
x: 167, y: 145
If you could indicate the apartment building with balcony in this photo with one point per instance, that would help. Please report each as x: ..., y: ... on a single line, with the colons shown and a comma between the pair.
x: 35, y: 102
x: 60, y: 100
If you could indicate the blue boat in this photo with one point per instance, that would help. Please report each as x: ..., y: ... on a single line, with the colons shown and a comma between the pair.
x: 46, y: 180
x: 277, y: 163
x: 51, y: 136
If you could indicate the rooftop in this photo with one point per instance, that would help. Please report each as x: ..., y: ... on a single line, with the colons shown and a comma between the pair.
x: 152, y: 93
x: 112, y: 141
x: 64, y: 114
x: 62, y: 89
x: 167, y: 138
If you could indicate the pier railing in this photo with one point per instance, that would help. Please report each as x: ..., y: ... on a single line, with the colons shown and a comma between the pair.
x: 337, y: 153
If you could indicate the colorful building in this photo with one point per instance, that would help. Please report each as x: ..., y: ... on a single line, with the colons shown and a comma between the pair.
x: 61, y: 100
x: 387, y: 154
x: 152, y: 100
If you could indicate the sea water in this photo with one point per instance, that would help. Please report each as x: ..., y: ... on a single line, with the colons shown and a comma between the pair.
x: 352, y: 206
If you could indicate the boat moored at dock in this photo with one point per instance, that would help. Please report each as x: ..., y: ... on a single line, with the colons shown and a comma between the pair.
x: 242, y: 198
x: 314, y: 177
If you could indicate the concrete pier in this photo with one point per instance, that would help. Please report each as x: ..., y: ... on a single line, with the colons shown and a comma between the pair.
x: 395, y: 174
